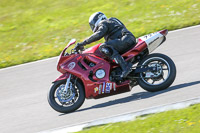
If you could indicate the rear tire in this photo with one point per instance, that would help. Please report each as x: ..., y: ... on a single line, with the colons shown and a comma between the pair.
x: 54, y: 102
x: 166, y: 82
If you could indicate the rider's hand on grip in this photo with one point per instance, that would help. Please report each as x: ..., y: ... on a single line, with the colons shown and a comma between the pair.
x: 79, y: 46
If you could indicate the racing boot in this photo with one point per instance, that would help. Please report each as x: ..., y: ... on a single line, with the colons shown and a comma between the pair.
x: 125, y: 66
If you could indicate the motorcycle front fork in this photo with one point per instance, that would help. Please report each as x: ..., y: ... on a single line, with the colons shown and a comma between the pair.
x: 67, y: 83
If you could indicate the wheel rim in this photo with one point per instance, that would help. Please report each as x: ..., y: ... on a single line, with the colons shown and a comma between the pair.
x: 158, y: 77
x: 66, y: 99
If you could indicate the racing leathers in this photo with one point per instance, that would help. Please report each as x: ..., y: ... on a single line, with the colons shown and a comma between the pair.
x: 117, y: 41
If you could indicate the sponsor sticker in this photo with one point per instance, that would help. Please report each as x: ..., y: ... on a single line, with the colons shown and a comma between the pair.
x: 103, y: 88
x: 108, y: 87
x: 114, y: 87
x: 96, y: 89
x: 100, y: 86
x: 71, y: 65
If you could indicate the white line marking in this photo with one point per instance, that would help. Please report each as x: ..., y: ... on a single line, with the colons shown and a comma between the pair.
x: 186, y: 28
x: 29, y: 63
x: 124, y: 117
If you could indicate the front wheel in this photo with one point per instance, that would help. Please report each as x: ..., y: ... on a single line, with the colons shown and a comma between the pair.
x: 162, y: 76
x: 66, y: 101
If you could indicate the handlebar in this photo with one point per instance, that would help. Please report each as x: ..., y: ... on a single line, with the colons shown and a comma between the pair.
x: 77, y: 51
x: 74, y: 51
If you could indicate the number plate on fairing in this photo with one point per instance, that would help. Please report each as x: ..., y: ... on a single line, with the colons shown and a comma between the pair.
x: 152, y: 40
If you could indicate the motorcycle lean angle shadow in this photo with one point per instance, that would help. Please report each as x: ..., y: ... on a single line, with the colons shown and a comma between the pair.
x: 86, y: 74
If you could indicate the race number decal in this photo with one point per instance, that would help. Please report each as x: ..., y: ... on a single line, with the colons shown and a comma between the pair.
x: 152, y: 40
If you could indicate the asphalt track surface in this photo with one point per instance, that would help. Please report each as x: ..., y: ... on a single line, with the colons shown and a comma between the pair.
x: 23, y: 98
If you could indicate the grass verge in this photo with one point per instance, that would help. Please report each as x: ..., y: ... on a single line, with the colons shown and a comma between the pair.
x: 176, y: 121
x: 32, y: 30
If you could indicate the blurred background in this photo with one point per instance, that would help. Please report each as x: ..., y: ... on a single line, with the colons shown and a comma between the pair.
x: 32, y: 30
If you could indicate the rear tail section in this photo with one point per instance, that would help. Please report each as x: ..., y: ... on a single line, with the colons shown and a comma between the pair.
x: 154, y: 40
x: 164, y: 32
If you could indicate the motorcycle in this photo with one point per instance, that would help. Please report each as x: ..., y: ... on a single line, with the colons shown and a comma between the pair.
x: 88, y: 74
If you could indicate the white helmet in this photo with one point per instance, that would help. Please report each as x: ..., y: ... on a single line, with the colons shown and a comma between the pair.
x: 95, y: 19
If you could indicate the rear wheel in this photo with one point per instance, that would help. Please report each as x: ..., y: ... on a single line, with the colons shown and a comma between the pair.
x: 66, y: 101
x: 161, y: 77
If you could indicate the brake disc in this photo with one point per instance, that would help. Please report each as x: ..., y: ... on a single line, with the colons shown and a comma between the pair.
x: 63, y: 95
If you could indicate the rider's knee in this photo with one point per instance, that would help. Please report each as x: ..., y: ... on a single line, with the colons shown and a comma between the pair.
x: 106, y: 50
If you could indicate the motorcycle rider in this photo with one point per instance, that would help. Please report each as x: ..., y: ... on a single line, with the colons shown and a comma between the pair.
x: 118, y: 39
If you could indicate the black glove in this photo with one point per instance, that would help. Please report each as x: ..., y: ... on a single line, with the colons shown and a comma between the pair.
x: 80, y: 46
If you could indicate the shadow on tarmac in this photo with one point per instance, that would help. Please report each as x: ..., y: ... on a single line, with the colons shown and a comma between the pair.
x: 137, y: 96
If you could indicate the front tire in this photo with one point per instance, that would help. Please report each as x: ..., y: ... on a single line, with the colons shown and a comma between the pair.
x: 56, y: 96
x: 159, y: 80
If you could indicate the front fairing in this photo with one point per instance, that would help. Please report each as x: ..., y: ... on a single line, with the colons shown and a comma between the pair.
x: 63, y: 55
x: 77, y: 65
x: 62, y: 61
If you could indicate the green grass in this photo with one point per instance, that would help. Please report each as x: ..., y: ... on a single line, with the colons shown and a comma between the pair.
x: 176, y: 121
x: 32, y: 30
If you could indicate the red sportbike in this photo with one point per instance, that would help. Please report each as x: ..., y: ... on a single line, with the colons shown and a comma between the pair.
x: 88, y: 74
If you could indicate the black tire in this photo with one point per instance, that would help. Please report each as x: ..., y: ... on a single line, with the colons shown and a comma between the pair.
x: 167, y: 82
x: 54, y: 104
